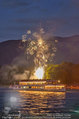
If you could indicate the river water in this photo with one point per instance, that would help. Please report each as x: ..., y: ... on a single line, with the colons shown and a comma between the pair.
x: 39, y: 104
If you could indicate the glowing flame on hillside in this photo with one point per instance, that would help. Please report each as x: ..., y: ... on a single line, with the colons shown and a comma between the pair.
x: 39, y: 73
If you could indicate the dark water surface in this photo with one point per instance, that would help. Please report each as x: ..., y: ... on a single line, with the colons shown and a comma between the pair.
x: 35, y: 103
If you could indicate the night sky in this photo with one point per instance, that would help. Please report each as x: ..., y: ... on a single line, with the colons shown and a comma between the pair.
x: 59, y: 17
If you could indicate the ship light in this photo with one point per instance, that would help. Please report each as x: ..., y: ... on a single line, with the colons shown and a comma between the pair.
x: 24, y: 87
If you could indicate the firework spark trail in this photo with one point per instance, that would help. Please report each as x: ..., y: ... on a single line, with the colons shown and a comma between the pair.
x: 39, y: 48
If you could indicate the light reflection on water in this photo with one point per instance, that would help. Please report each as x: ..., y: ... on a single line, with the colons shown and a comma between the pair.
x: 39, y: 103
x: 36, y: 102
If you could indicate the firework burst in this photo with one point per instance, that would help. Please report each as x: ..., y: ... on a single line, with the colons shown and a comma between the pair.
x: 39, y: 48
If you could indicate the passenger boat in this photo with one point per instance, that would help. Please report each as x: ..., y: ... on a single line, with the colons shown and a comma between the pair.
x: 39, y: 85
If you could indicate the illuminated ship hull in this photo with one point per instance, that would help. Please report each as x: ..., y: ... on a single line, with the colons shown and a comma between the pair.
x: 36, y: 89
